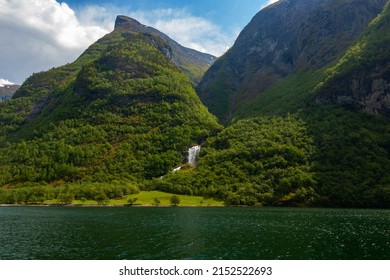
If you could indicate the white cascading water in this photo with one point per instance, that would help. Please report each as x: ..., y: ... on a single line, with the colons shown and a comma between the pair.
x: 192, y: 154
x: 176, y: 169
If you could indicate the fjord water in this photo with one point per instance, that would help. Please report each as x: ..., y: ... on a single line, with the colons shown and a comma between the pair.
x: 193, y: 233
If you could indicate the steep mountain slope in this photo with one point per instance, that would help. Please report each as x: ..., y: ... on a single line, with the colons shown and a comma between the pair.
x: 121, y: 116
x: 293, y: 144
x: 122, y: 112
x: 361, y: 79
x: 288, y: 37
x: 192, y: 62
x: 324, y: 156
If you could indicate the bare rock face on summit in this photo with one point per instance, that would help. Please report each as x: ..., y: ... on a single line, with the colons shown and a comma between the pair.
x: 284, y: 38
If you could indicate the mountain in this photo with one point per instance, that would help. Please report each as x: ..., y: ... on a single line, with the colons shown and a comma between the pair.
x: 7, y: 91
x: 286, y: 38
x: 122, y: 116
x: 192, y: 62
x: 361, y: 79
x: 122, y: 113
x: 287, y: 140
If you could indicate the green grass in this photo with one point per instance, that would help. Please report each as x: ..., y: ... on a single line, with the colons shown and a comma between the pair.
x: 146, y: 198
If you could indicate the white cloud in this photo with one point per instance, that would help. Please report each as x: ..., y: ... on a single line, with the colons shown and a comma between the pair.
x: 4, y: 82
x: 269, y: 2
x: 41, y: 34
x: 179, y: 24
x: 190, y: 31
x: 37, y: 35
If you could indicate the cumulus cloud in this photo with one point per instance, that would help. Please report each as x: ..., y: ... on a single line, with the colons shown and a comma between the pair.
x: 4, y: 82
x: 190, y: 31
x: 37, y: 35
x: 41, y: 34
x: 179, y: 24
x: 269, y: 2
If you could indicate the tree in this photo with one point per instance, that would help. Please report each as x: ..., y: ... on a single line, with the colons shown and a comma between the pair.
x: 156, y: 201
x: 175, y: 200
x: 101, y: 198
x: 65, y: 198
x: 132, y: 201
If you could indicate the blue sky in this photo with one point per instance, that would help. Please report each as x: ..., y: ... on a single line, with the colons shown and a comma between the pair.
x: 229, y: 14
x: 41, y: 34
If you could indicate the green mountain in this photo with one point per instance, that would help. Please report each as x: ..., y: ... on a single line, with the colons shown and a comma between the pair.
x: 287, y: 38
x: 292, y: 144
x: 303, y: 94
x: 190, y: 61
x: 122, y: 113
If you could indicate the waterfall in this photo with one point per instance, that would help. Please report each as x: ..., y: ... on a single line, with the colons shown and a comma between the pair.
x: 192, y: 154
x: 176, y: 169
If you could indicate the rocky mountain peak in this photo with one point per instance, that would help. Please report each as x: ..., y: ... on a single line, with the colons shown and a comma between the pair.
x: 192, y: 62
x: 127, y: 23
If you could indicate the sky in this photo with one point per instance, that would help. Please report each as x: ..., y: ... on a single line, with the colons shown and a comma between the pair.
x: 36, y: 35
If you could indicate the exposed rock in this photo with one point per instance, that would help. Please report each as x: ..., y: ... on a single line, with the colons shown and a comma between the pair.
x: 284, y: 38
x: 361, y: 79
x: 365, y: 89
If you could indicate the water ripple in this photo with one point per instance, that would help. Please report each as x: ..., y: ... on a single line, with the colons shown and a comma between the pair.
x: 193, y: 233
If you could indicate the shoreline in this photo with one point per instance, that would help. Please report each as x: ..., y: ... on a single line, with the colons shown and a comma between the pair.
x: 107, y: 205
x: 142, y: 199
x: 170, y: 206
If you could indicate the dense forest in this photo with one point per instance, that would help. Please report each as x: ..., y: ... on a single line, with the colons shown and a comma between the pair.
x: 126, y: 116
x: 121, y: 117
x: 323, y: 156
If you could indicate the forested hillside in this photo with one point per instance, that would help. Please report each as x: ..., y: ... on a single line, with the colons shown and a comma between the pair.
x: 343, y: 154
x: 308, y: 130
x: 120, y: 114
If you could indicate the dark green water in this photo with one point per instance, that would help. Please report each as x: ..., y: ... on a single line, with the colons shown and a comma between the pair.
x: 193, y: 233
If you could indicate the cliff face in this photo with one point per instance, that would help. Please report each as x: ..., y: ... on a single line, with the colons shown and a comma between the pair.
x: 366, y: 89
x: 361, y: 80
x: 285, y: 38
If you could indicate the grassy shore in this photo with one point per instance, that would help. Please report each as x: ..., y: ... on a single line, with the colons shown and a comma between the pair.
x: 146, y: 199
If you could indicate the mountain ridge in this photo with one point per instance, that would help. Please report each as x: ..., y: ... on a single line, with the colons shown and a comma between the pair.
x: 192, y: 62
x: 283, y: 39
x: 122, y: 111
x: 120, y: 118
